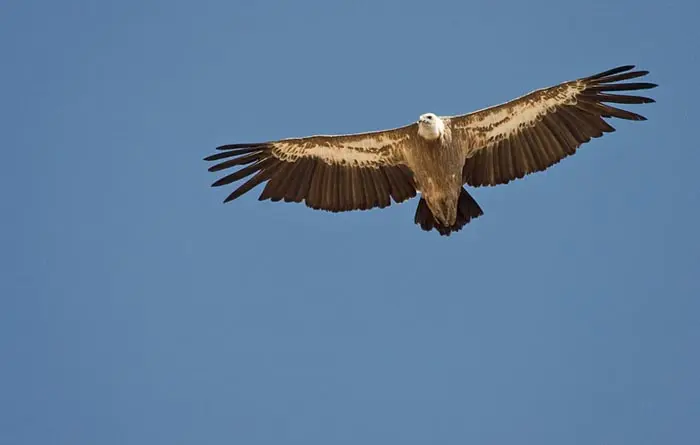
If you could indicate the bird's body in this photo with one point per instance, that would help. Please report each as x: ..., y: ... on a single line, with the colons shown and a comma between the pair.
x: 437, y: 165
x: 435, y: 156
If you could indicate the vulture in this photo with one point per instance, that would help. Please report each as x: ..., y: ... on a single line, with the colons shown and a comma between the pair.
x: 436, y: 155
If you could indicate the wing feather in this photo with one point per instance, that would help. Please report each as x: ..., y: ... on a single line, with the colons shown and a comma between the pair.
x: 536, y: 131
x: 334, y: 173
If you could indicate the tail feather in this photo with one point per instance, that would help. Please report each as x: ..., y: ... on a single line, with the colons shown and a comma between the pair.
x: 467, y: 209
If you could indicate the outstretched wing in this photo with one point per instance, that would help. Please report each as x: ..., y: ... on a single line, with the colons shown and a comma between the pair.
x: 536, y: 131
x: 335, y: 173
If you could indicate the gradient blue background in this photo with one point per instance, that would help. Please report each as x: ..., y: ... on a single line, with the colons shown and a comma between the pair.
x: 137, y: 309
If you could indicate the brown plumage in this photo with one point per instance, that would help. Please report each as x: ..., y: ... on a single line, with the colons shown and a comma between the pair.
x: 436, y: 155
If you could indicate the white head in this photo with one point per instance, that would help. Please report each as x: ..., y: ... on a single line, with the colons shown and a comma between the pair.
x: 430, y: 126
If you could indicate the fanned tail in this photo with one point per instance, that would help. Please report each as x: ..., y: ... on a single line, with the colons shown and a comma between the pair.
x: 467, y: 209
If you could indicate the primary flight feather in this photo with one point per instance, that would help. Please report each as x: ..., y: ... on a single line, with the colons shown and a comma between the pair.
x: 435, y: 156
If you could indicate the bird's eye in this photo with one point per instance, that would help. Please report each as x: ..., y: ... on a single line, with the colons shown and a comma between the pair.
x: 430, y: 117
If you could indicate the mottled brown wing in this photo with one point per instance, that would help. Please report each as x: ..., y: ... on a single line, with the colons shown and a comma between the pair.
x: 334, y: 173
x: 536, y: 131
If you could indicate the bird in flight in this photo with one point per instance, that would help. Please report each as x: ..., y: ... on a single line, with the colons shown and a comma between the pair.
x: 437, y: 155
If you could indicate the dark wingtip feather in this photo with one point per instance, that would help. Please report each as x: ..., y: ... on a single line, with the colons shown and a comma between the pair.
x: 217, y: 156
x: 620, y: 77
x: 243, y: 145
x: 233, y: 195
x: 630, y: 86
x: 242, y: 173
x: 220, y: 182
x: 230, y: 198
x: 221, y: 155
x: 239, y: 160
x: 611, y: 72
x: 623, y: 99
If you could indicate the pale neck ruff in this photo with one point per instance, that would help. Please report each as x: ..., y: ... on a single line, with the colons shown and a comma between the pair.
x: 430, y: 131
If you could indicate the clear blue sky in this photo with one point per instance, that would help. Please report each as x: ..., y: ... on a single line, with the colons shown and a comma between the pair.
x: 138, y: 309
